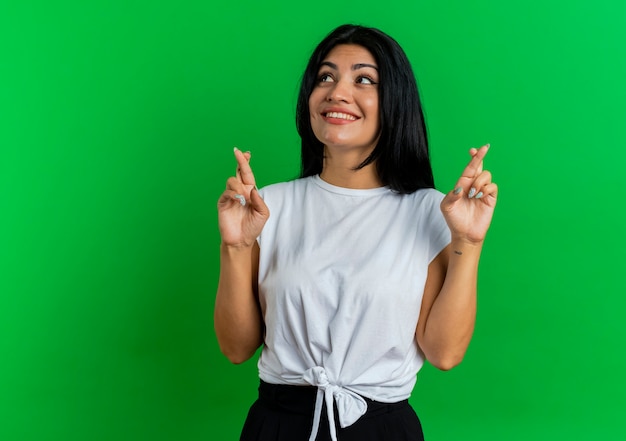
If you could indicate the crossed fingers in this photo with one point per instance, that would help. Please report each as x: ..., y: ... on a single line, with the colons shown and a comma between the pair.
x: 475, y: 182
x: 240, y: 186
x: 244, y: 171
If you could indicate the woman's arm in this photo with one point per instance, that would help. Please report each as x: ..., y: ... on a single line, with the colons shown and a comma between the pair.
x: 238, y: 321
x: 241, y: 215
x: 448, y: 313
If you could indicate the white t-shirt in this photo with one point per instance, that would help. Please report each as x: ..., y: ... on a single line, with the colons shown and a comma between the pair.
x: 341, y: 280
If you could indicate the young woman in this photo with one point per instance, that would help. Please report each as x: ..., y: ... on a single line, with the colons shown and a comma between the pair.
x: 363, y: 270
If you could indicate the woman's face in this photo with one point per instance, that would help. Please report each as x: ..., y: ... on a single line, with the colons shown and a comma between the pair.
x: 344, y: 101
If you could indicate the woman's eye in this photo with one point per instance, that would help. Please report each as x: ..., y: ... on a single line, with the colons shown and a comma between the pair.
x: 365, y: 80
x: 325, y: 78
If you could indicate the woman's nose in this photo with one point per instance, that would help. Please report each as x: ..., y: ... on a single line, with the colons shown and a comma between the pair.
x: 340, y: 92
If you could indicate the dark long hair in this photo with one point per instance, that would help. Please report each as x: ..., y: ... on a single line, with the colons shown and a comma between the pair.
x: 401, y: 155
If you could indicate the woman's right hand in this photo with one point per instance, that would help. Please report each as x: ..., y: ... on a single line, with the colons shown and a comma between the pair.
x: 242, y: 213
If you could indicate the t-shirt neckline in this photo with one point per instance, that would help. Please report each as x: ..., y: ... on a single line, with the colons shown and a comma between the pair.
x: 349, y: 191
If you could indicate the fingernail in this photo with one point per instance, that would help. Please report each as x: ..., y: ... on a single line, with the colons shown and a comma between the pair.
x: 458, y: 190
x: 235, y: 149
x: 488, y: 145
x: 242, y: 200
x: 471, y: 193
x: 479, y: 195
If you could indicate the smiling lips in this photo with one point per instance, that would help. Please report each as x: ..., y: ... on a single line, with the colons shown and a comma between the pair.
x: 341, y: 116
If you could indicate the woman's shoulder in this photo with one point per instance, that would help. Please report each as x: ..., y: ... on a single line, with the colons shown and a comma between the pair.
x: 424, y: 203
x: 284, y: 188
x: 427, y: 195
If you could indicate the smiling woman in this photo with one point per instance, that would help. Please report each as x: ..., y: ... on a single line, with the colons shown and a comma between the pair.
x: 363, y: 271
x: 344, y: 105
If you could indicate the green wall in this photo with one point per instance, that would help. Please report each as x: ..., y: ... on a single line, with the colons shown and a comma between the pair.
x: 117, y: 122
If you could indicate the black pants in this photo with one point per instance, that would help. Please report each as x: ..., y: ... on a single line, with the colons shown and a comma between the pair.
x: 285, y: 413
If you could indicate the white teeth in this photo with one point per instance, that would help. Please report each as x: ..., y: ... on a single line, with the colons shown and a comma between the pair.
x: 340, y: 116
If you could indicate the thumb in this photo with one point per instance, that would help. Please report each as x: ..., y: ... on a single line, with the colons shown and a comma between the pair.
x: 455, y: 194
x: 258, y: 203
x: 451, y: 198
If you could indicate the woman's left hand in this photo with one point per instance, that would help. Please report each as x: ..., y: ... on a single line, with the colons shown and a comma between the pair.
x: 468, y: 208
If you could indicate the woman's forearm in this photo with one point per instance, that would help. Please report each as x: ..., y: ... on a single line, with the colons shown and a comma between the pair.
x: 238, y: 321
x: 452, y: 317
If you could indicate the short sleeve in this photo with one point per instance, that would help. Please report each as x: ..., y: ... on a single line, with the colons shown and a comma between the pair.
x: 438, y: 232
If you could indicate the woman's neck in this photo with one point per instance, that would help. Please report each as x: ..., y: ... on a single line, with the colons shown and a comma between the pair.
x: 340, y: 170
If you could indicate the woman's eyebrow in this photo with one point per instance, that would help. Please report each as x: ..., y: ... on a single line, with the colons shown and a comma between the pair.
x: 362, y: 65
x: 329, y: 64
x: 354, y: 67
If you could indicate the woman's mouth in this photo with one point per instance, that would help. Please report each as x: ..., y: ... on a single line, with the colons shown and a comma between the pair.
x: 340, y: 115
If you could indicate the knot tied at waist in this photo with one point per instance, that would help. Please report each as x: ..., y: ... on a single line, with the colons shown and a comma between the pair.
x: 350, y: 406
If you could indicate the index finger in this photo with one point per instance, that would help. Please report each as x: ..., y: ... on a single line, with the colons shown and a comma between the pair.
x: 472, y: 153
x: 244, y: 172
x: 474, y: 167
x: 246, y: 156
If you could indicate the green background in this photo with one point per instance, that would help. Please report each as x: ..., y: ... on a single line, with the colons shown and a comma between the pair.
x: 117, y: 123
